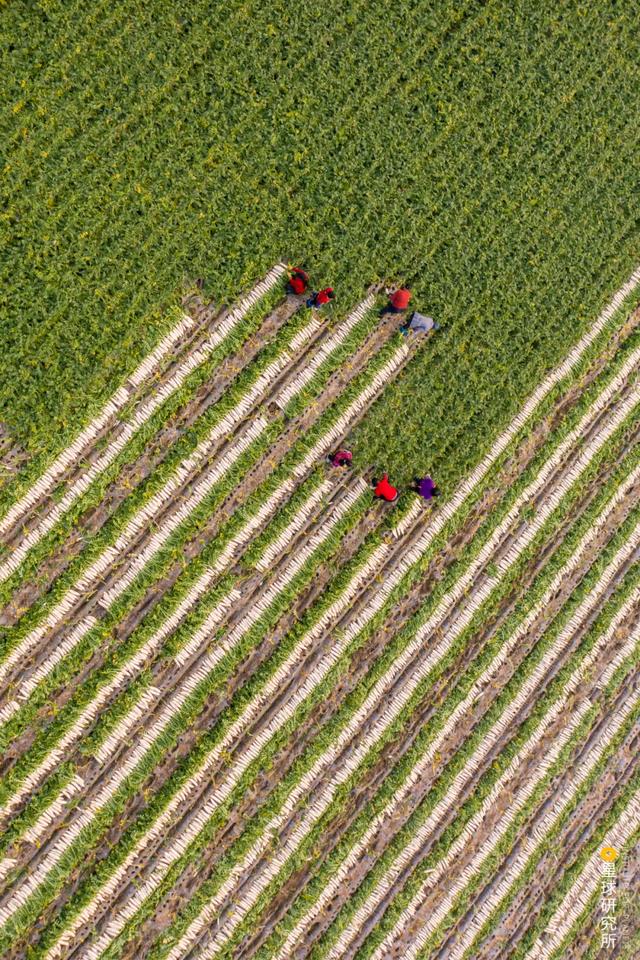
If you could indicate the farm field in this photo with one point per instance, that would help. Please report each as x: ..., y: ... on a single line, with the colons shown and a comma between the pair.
x: 247, y: 709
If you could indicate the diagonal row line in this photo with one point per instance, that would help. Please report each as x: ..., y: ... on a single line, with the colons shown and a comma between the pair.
x: 130, y: 669
x: 543, y: 827
x: 583, y: 888
x: 543, y: 390
x: 222, y: 466
x: 188, y: 684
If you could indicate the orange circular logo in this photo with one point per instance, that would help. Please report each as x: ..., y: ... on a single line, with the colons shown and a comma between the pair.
x: 609, y: 854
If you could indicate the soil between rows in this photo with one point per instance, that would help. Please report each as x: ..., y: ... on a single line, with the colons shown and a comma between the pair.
x: 188, y: 344
x: 492, y: 820
x: 525, y: 906
x: 338, y: 381
x: 421, y: 716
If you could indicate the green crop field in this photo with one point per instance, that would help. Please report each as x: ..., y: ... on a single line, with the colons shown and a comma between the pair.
x: 487, y: 152
x: 249, y: 709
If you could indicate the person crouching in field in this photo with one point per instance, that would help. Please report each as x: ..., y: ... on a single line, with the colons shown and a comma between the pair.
x: 398, y: 301
x: 425, y: 488
x: 342, y: 458
x: 298, y: 281
x: 383, y: 490
x: 419, y: 323
x: 321, y: 297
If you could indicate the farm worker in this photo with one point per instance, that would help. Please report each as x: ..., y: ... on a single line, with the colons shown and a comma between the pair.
x: 319, y: 298
x: 342, y: 458
x: 298, y: 281
x: 398, y: 301
x: 419, y: 324
x: 384, y: 490
x: 426, y: 488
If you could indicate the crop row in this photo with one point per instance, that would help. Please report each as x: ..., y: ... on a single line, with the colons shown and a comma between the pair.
x: 358, y: 401
x: 589, y: 519
x: 492, y: 670
x: 94, y: 574
x: 617, y: 836
x: 172, y: 706
x: 229, y: 739
x: 376, y: 380
x: 477, y: 867
x: 544, y: 831
x: 410, y: 833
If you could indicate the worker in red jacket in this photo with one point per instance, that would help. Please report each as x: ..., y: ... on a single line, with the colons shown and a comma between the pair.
x: 298, y: 281
x: 318, y: 299
x: 383, y: 490
x: 398, y: 301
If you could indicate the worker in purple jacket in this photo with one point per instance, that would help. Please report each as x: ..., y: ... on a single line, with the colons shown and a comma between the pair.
x: 426, y: 488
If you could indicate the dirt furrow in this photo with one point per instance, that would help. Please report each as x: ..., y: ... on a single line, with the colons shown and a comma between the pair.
x: 206, y: 720
x: 566, y: 403
x: 184, y: 347
x: 520, y: 913
x: 207, y: 317
x: 168, y: 674
x: 421, y: 716
x: 13, y: 457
